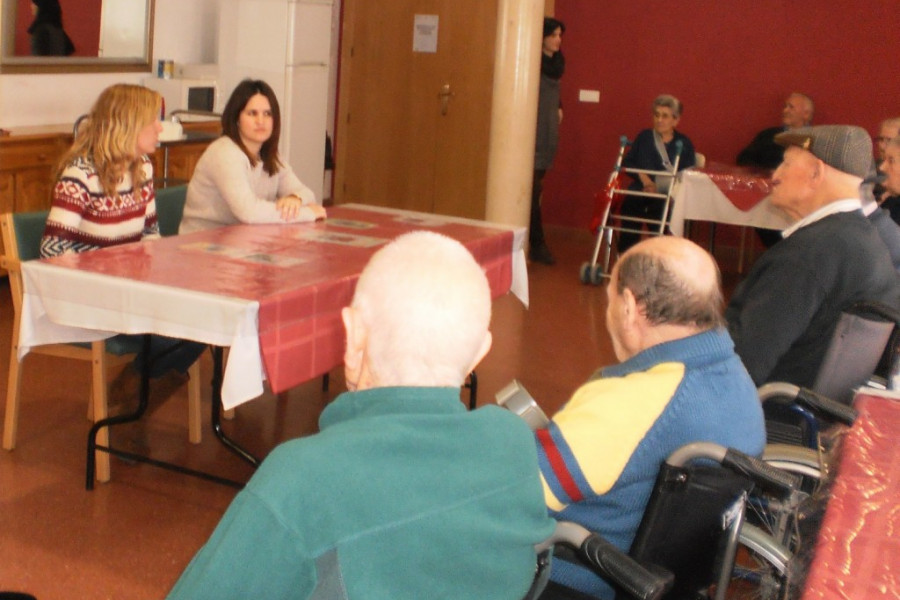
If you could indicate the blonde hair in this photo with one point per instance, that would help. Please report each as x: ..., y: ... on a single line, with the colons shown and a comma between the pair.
x: 108, y: 138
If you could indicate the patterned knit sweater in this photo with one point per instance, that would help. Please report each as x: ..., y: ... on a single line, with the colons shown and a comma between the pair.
x: 82, y: 217
x: 600, y: 455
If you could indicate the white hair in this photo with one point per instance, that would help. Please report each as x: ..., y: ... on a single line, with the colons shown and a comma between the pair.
x: 426, y: 304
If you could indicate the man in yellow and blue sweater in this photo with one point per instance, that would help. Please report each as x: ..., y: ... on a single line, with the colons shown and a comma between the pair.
x: 679, y: 381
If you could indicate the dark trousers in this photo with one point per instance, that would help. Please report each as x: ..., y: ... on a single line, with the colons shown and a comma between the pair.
x: 168, y: 354
x: 536, y: 227
x: 644, y: 208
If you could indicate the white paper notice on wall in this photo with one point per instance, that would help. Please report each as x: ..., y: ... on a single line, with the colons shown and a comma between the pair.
x: 425, y: 33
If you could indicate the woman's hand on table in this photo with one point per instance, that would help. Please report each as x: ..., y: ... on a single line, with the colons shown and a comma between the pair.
x: 291, y: 208
x: 317, y: 210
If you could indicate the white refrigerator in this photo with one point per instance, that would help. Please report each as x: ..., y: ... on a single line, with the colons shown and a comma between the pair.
x: 287, y: 44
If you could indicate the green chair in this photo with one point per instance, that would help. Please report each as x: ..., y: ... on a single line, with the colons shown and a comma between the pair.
x: 169, y: 208
x: 21, y: 234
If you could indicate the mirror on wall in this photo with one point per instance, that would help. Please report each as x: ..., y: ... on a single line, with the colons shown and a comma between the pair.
x: 96, y: 36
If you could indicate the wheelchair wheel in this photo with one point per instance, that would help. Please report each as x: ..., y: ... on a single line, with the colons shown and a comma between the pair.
x: 774, y: 541
x: 763, y: 569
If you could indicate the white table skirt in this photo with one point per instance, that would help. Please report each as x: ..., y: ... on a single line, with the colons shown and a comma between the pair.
x: 65, y: 305
x: 697, y: 198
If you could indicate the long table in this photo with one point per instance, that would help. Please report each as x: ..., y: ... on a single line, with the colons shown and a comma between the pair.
x: 857, y: 553
x: 272, y: 294
x: 724, y: 194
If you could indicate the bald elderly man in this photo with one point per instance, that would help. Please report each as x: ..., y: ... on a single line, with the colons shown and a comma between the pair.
x: 678, y: 381
x: 403, y: 493
x: 762, y: 151
x: 782, y: 316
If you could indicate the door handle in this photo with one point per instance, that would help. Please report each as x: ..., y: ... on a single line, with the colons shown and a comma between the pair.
x: 445, y: 96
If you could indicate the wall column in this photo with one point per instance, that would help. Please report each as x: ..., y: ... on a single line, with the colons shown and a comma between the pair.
x: 517, y: 59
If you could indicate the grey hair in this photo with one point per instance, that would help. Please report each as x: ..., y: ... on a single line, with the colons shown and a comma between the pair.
x: 669, y: 101
x: 666, y: 296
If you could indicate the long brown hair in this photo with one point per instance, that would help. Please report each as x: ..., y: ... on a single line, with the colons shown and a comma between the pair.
x: 108, y: 139
x: 241, y: 95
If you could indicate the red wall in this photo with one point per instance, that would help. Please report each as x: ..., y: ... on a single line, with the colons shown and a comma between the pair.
x: 81, y: 20
x: 730, y: 62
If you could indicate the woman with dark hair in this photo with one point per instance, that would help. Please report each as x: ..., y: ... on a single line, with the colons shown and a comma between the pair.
x: 239, y: 178
x: 549, y: 116
x: 48, y: 38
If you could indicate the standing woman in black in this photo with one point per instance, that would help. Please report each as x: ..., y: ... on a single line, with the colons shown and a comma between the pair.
x: 549, y: 116
x: 48, y: 38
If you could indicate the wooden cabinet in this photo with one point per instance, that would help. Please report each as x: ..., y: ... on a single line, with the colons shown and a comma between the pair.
x: 29, y: 155
x: 27, y: 163
x: 26, y: 170
x: 174, y: 162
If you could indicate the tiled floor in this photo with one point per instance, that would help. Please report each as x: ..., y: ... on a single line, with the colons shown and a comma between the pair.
x: 130, y: 538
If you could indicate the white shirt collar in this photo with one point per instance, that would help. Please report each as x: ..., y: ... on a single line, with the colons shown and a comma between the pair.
x: 838, y: 206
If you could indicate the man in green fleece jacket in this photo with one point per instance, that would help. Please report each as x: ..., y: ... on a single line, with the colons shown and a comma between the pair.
x: 403, y: 493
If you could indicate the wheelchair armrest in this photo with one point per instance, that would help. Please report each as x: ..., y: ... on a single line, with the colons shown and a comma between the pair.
x: 821, y: 405
x: 769, y: 478
x: 832, y: 409
x: 644, y: 582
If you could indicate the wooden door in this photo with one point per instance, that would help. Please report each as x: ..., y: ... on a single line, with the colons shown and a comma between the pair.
x: 401, y: 142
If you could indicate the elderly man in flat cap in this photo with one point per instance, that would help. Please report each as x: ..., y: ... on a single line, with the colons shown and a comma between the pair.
x: 783, y: 314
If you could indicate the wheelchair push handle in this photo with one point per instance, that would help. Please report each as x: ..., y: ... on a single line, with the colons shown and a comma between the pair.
x: 614, y: 565
x: 772, y: 479
x: 832, y: 409
x: 780, y: 391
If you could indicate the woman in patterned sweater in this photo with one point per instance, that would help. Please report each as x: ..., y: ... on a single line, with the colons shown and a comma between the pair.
x: 104, y: 197
x: 104, y: 189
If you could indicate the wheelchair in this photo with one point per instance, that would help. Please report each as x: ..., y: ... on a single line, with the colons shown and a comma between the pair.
x: 608, y: 220
x: 864, y: 350
x: 696, y: 523
x: 692, y: 531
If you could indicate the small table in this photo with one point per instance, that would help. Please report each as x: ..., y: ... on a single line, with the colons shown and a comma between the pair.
x: 724, y: 194
x: 271, y: 293
x: 857, y: 553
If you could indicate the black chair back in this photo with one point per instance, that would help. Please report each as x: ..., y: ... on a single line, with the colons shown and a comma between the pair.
x: 855, y: 349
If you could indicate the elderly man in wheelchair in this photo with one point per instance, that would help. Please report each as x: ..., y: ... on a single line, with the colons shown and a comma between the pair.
x: 679, y: 381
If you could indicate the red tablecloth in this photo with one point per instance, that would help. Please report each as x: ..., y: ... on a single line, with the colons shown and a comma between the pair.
x: 301, y: 275
x: 743, y: 186
x: 857, y: 553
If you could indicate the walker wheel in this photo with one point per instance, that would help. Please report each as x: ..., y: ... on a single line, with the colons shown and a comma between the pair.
x: 597, y: 274
x: 585, y: 273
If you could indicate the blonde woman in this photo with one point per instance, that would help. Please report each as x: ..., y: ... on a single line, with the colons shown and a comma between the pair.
x: 104, y: 186
x: 104, y: 197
